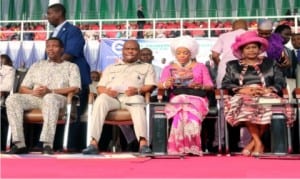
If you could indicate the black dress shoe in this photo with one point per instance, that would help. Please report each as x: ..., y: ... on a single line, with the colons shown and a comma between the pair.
x: 133, y: 146
x: 90, y: 150
x: 15, y: 150
x: 145, y: 149
x: 48, y: 150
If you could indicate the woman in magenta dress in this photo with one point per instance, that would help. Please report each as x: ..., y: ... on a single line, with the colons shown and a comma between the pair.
x: 186, y: 81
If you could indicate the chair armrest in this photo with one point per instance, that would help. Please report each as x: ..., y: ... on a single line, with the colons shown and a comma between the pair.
x: 4, y: 93
x: 160, y: 94
x: 285, y: 93
x: 71, y: 97
x: 297, y: 93
x: 3, y: 96
x: 221, y: 93
x: 92, y: 97
x: 147, y: 97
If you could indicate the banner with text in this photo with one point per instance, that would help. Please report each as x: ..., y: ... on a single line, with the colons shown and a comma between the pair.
x: 111, y: 50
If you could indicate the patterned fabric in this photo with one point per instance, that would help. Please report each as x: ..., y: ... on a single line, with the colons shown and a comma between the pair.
x: 50, y: 105
x: 7, y: 76
x: 241, y: 107
x: 54, y: 76
x: 183, y: 76
x: 200, y: 74
x: 187, y: 112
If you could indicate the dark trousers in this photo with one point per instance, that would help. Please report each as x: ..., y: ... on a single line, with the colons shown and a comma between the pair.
x: 295, y: 137
x: 140, y: 33
x: 77, y: 134
x: 4, y: 128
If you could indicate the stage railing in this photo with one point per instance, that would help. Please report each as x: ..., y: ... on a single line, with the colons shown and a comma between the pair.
x: 127, y: 28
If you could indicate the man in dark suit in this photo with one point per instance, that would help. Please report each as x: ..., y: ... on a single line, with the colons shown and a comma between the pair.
x: 73, y: 41
x: 294, y: 72
x: 295, y: 55
x: 140, y: 23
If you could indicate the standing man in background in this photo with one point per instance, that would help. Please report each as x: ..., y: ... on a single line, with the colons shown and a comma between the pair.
x: 223, y: 48
x: 146, y: 56
x: 140, y: 23
x: 293, y: 73
x: 74, y: 42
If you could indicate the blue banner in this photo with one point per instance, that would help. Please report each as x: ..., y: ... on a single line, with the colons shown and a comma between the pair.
x: 110, y: 52
x: 100, y: 54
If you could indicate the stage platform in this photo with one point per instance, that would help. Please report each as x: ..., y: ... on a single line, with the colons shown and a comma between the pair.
x: 132, y: 165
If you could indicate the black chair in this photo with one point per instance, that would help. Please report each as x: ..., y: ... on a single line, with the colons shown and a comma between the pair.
x: 214, y: 115
x: 279, y: 131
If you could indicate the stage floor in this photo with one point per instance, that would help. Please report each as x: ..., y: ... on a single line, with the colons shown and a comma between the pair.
x: 131, y: 165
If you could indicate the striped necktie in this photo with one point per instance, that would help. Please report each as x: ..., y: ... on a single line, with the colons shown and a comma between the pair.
x: 298, y: 55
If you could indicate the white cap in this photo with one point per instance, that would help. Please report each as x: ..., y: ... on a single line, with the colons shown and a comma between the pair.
x: 265, y: 24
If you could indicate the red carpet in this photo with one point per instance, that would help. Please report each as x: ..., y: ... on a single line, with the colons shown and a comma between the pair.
x: 78, y: 166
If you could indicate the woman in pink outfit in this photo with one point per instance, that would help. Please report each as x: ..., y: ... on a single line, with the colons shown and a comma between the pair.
x: 186, y: 81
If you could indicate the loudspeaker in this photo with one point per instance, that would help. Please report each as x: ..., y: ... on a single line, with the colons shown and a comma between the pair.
x: 279, y: 139
x: 159, y: 131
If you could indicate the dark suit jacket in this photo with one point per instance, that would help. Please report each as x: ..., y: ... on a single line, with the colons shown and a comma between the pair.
x: 291, y: 71
x: 272, y: 74
x: 73, y: 41
x: 141, y: 15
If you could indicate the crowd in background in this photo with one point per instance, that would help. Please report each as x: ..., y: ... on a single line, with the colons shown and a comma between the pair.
x: 164, y: 29
x: 193, y: 76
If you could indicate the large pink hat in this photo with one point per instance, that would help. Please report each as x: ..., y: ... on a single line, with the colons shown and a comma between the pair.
x: 246, y: 38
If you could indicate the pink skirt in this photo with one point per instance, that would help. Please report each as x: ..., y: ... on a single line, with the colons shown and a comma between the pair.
x: 187, y: 113
x: 241, y: 108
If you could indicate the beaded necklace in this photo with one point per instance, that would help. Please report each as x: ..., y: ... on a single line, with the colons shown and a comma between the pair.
x: 183, y: 65
x: 256, y: 68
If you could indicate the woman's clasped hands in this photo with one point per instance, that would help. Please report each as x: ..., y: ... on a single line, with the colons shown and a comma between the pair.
x: 255, y: 91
